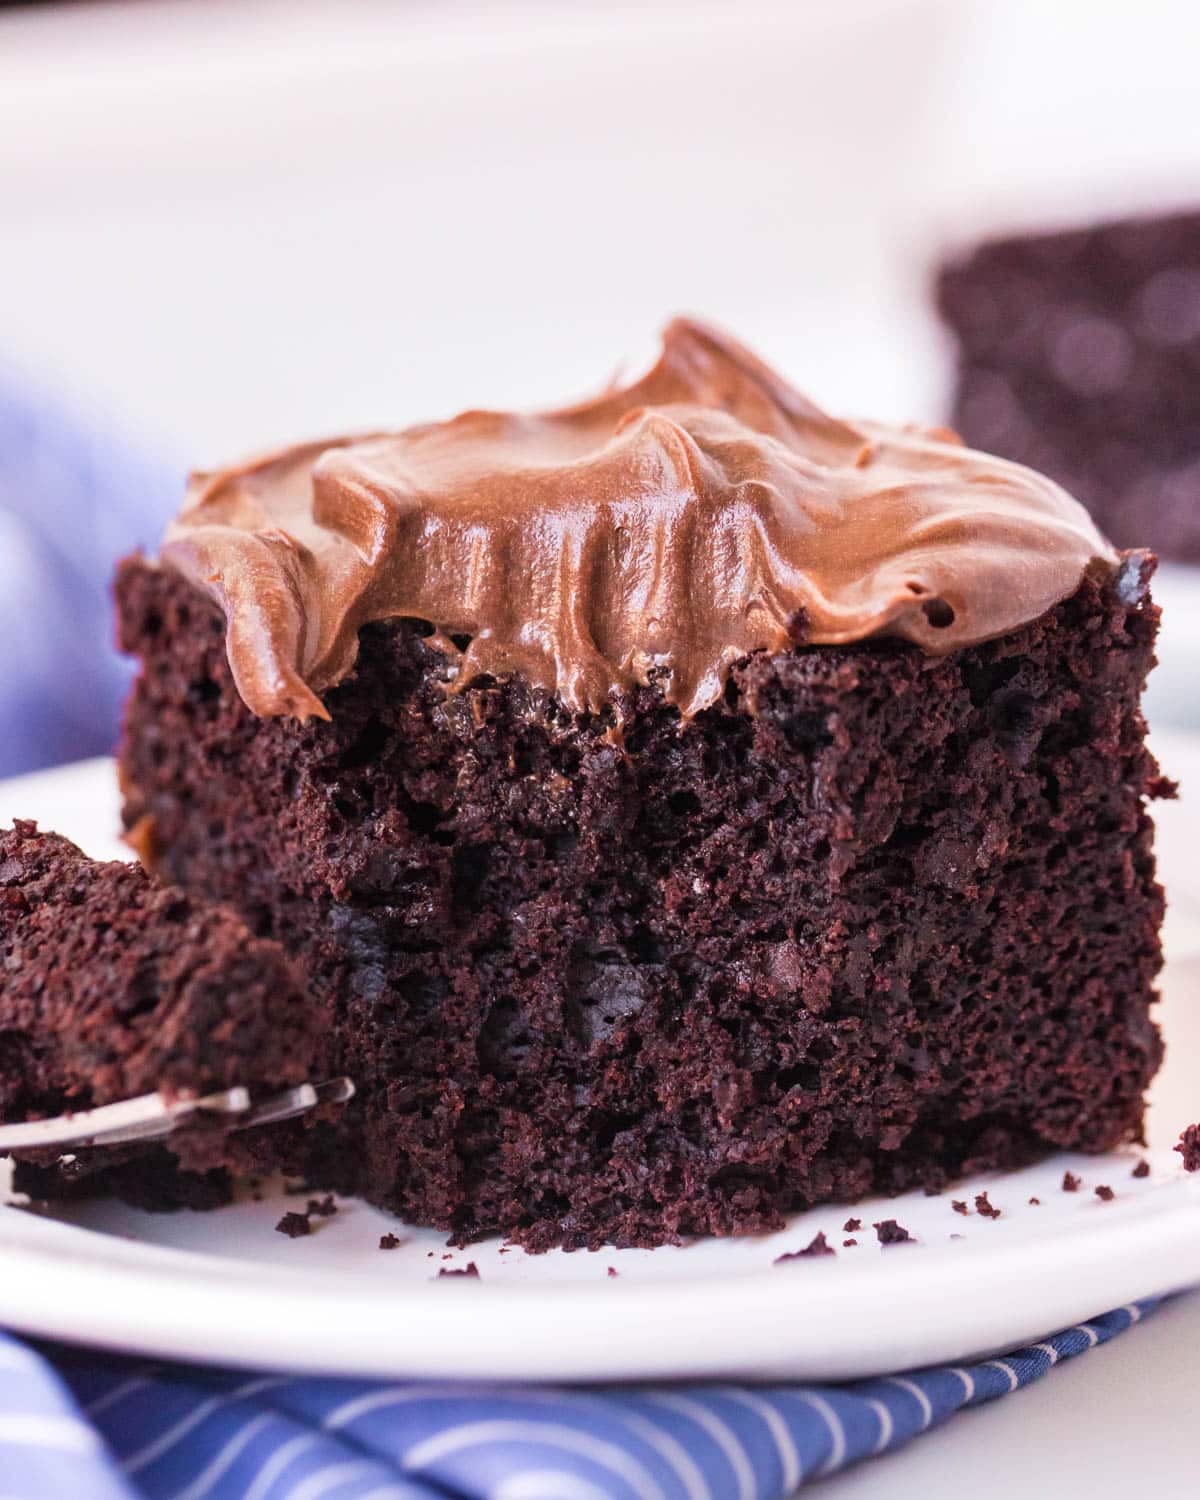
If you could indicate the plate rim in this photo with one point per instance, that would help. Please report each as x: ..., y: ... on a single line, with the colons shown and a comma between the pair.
x: 190, y: 1306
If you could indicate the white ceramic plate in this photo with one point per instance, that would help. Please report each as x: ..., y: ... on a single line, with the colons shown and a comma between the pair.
x: 224, y: 1287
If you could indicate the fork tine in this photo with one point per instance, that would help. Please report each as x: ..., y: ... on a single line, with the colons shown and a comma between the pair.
x: 295, y: 1101
x: 232, y: 1102
x: 147, y: 1117
x: 150, y: 1117
x: 281, y: 1107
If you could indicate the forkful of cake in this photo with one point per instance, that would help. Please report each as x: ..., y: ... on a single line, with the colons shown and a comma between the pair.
x: 132, y: 1012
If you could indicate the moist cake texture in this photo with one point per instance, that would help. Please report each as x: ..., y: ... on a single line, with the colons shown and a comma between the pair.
x: 870, y: 922
x: 1079, y: 354
x: 688, y: 807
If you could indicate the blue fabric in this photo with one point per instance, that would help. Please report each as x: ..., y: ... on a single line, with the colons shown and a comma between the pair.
x: 95, y: 1427
x: 73, y: 499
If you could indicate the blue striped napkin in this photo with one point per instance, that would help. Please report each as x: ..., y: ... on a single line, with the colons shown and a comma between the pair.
x: 95, y: 1427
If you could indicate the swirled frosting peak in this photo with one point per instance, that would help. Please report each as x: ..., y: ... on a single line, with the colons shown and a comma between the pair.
x: 658, y: 532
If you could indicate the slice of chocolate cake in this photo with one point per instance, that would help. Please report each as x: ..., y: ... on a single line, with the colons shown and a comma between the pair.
x: 112, y: 986
x: 691, y: 806
x: 1079, y: 354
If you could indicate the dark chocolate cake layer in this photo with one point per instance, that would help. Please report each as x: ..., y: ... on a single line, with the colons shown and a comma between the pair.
x: 112, y: 986
x: 871, y: 919
x: 1079, y: 354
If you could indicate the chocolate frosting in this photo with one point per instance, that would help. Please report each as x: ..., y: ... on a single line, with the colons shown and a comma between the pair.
x: 658, y: 532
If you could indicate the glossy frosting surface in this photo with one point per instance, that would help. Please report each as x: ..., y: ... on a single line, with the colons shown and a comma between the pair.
x: 658, y: 532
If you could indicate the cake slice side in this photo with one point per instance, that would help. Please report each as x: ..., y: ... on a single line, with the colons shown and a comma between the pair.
x: 872, y: 920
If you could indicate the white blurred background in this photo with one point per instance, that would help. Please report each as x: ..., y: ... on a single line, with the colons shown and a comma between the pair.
x: 227, y: 223
x: 237, y: 221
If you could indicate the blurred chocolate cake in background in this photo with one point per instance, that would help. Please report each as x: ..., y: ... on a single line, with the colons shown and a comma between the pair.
x: 1079, y: 354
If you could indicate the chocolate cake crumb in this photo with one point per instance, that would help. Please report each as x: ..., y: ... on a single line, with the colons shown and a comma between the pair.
x: 471, y: 1269
x: 847, y: 1243
x: 1141, y: 1170
x: 1105, y: 1193
x: 959, y: 1206
x: 294, y: 1225
x: 984, y: 1207
x: 1189, y: 1148
x: 852, y: 1225
x: 1071, y: 1183
x: 888, y: 1232
x: 390, y: 1242
x: 612, y: 1271
x: 1035, y: 1202
x: 818, y: 1245
x: 322, y: 1208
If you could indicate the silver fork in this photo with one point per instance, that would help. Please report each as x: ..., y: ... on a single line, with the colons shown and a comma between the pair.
x: 150, y: 1117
